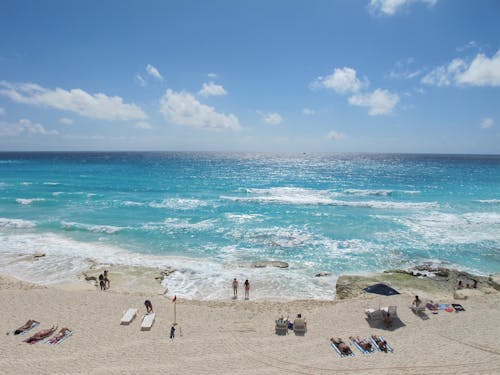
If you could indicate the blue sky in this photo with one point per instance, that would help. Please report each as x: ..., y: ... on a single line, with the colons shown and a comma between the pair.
x: 287, y: 76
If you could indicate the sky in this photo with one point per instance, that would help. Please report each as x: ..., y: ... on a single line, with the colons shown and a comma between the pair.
x: 414, y: 76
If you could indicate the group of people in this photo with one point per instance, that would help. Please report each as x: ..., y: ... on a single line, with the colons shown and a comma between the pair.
x: 235, y: 288
x: 460, y: 284
x: 43, y: 333
x: 345, y: 349
x: 104, y: 280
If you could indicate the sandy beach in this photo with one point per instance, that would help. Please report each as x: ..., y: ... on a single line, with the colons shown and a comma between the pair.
x: 237, y: 337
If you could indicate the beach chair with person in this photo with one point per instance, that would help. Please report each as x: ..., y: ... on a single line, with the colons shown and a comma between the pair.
x: 299, y: 326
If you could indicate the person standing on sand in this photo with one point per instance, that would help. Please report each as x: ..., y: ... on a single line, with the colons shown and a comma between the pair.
x: 172, y: 332
x: 235, y: 288
x: 247, y: 289
x: 149, y: 306
x: 102, y: 285
x: 106, y: 280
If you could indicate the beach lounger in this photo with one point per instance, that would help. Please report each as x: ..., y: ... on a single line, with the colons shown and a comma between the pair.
x: 147, y: 321
x: 55, y: 341
x: 281, y: 327
x: 342, y: 355
x: 299, y: 327
x: 364, y: 351
x: 389, y: 348
x: 128, y: 316
x: 420, y: 309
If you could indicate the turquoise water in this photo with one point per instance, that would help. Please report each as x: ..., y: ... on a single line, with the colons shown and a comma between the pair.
x: 210, y: 214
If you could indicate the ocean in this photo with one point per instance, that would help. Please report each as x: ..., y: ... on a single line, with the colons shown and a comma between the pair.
x: 211, y: 215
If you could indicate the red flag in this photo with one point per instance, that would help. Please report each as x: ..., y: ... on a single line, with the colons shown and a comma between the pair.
x: 174, y: 299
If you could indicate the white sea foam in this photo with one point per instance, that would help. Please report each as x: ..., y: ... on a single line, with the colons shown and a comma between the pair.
x: 379, y: 192
x: 27, y: 201
x: 108, y: 229
x: 16, y: 223
x: 183, y: 224
x: 449, y: 228
x: 25, y: 183
x: 179, y: 204
x: 316, y: 198
x: 194, y: 279
x: 52, y: 183
x: 491, y: 201
x: 132, y: 204
x: 244, y: 218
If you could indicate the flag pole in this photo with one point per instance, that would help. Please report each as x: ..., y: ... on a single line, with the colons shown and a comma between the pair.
x: 174, y: 300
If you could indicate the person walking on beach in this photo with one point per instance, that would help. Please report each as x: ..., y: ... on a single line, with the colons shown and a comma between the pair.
x: 172, y: 332
x: 106, y: 280
x: 247, y: 289
x: 102, y: 285
x: 235, y: 288
x: 149, y: 306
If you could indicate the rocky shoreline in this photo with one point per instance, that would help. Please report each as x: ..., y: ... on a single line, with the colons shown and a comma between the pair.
x: 422, y: 279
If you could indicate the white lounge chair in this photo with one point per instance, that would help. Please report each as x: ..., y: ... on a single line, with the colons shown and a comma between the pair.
x: 392, y: 310
x: 147, y: 321
x: 281, y: 327
x: 128, y: 316
x: 299, y: 327
x: 419, y: 309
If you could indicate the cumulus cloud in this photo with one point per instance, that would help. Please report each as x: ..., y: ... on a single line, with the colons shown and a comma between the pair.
x: 342, y: 80
x: 182, y: 108
x: 66, y: 121
x: 97, y: 106
x: 308, y: 111
x: 481, y: 71
x: 391, y: 7
x: 212, y: 89
x: 24, y: 127
x: 271, y: 118
x: 380, y: 102
x: 336, y: 136
x: 487, y: 123
x: 152, y: 71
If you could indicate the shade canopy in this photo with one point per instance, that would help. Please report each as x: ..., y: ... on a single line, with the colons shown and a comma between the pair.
x: 381, y: 289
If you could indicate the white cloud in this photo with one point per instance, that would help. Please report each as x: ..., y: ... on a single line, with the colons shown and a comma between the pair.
x: 66, y: 121
x: 140, y: 80
x: 212, y: 89
x: 487, y: 123
x: 336, y: 136
x: 482, y: 71
x: 343, y: 80
x: 152, y: 71
x: 2, y: 111
x: 271, y: 118
x: 308, y: 111
x: 391, y: 7
x: 24, y: 127
x: 212, y: 75
x: 182, y: 108
x: 403, y: 70
x: 380, y: 102
x: 143, y: 125
x: 97, y: 106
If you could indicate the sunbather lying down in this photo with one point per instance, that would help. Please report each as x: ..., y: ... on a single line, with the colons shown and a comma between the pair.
x: 341, y: 346
x: 25, y: 326
x: 60, y: 335
x: 363, y: 343
x: 382, y: 344
x: 40, y: 335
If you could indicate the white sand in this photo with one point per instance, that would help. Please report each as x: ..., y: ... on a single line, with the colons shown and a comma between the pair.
x: 237, y: 337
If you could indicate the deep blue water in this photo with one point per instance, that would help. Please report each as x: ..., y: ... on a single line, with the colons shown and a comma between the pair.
x: 209, y: 214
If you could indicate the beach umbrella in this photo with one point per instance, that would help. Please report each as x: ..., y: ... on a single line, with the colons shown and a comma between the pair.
x: 382, y: 290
